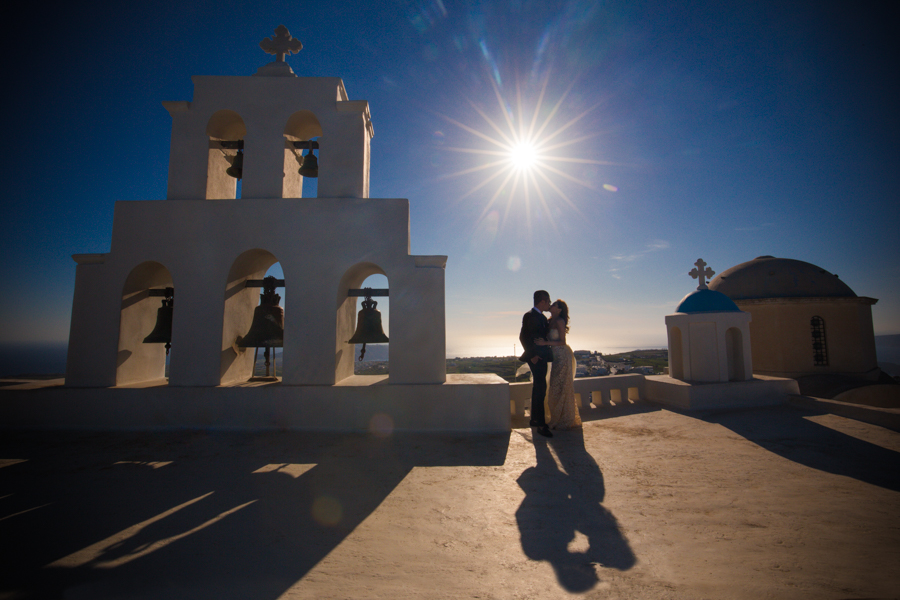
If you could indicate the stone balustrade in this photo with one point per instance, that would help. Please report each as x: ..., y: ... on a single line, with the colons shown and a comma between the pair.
x: 599, y: 391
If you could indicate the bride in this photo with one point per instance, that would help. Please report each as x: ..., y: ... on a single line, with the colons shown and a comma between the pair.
x: 561, y: 391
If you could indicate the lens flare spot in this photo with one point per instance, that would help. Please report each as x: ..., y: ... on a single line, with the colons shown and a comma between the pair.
x: 514, y: 263
x: 610, y: 188
x: 438, y: 138
x: 327, y: 511
x: 381, y: 425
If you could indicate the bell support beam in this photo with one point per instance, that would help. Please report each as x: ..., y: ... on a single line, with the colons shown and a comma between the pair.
x: 367, y: 292
x: 262, y: 283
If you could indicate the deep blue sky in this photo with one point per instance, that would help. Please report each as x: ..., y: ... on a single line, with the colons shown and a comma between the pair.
x: 720, y: 130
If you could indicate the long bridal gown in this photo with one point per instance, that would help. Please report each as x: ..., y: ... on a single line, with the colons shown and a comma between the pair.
x: 561, y: 389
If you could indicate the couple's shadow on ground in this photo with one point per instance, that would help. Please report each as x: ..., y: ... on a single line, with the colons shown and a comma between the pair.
x: 563, y: 499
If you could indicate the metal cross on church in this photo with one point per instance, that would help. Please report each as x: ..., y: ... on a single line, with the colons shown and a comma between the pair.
x: 698, y: 273
x: 281, y: 43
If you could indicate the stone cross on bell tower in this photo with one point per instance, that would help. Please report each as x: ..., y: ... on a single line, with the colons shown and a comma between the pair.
x: 280, y: 44
x: 699, y: 273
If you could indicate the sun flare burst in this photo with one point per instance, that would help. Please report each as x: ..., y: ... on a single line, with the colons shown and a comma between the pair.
x: 523, y: 155
x: 522, y: 159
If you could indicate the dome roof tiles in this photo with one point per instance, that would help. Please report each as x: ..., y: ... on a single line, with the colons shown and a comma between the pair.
x: 770, y: 277
x: 706, y: 301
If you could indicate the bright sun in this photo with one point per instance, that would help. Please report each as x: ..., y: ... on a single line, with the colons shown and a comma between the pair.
x: 522, y: 152
x: 523, y: 155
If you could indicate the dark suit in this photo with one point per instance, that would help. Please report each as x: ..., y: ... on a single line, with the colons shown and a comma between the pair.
x: 535, y: 326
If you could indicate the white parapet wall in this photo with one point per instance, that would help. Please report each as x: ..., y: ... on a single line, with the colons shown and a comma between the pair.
x: 464, y: 403
x: 662, y: 389
x: 599, y: 391
x: 759, y: 391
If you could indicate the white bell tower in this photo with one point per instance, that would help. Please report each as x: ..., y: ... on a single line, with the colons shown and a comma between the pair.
x: 208, y: 247
x: 267, y: 118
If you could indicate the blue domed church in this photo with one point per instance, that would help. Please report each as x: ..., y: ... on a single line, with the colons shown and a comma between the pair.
x: 710, y: 358
x: 709, y: 338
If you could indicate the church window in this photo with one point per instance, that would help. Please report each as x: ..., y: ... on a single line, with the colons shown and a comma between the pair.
x: 820, y: 349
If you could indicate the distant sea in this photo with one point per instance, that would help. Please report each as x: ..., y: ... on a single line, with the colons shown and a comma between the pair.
x: 888, y: 349
x: 39, y: 358
x: 45, y: 358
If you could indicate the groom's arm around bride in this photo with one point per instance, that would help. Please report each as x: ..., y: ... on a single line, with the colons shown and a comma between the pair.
x: 534, y: 327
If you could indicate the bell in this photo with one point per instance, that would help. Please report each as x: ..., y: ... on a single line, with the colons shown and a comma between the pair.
x: 310, y: 166
x: 162, y: 332
x: 236, y: 169
x: 368, y: 327
x: 267, y: 328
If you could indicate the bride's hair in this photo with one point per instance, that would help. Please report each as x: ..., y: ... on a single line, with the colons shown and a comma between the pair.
x: 563, y: 312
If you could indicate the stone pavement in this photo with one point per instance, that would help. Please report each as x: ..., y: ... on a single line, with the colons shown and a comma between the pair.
x: 642, y: 503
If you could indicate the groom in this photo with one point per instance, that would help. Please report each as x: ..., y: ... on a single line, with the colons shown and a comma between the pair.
x: 535, y: 326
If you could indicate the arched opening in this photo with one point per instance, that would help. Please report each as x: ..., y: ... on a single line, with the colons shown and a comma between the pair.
x: 734, y: 351
x: 676, y: 358
x: 819, y: 342
x: 243, y: 294
x: 302, y: 128
x: 268, y: 363
x: 377, y: 357
x: 143, y: 295
x: 226, y: 131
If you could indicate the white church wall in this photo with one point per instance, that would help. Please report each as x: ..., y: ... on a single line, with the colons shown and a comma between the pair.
x: 418, y: 331
x: 704, y: 351
x: 188, y: 154
x: 782, y: 335
x: 867, y: 354
x: 344, y: 152
x: 93, y: 331
x: 735, y: 354
x: 676, y: 355
x: 699, y: 346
